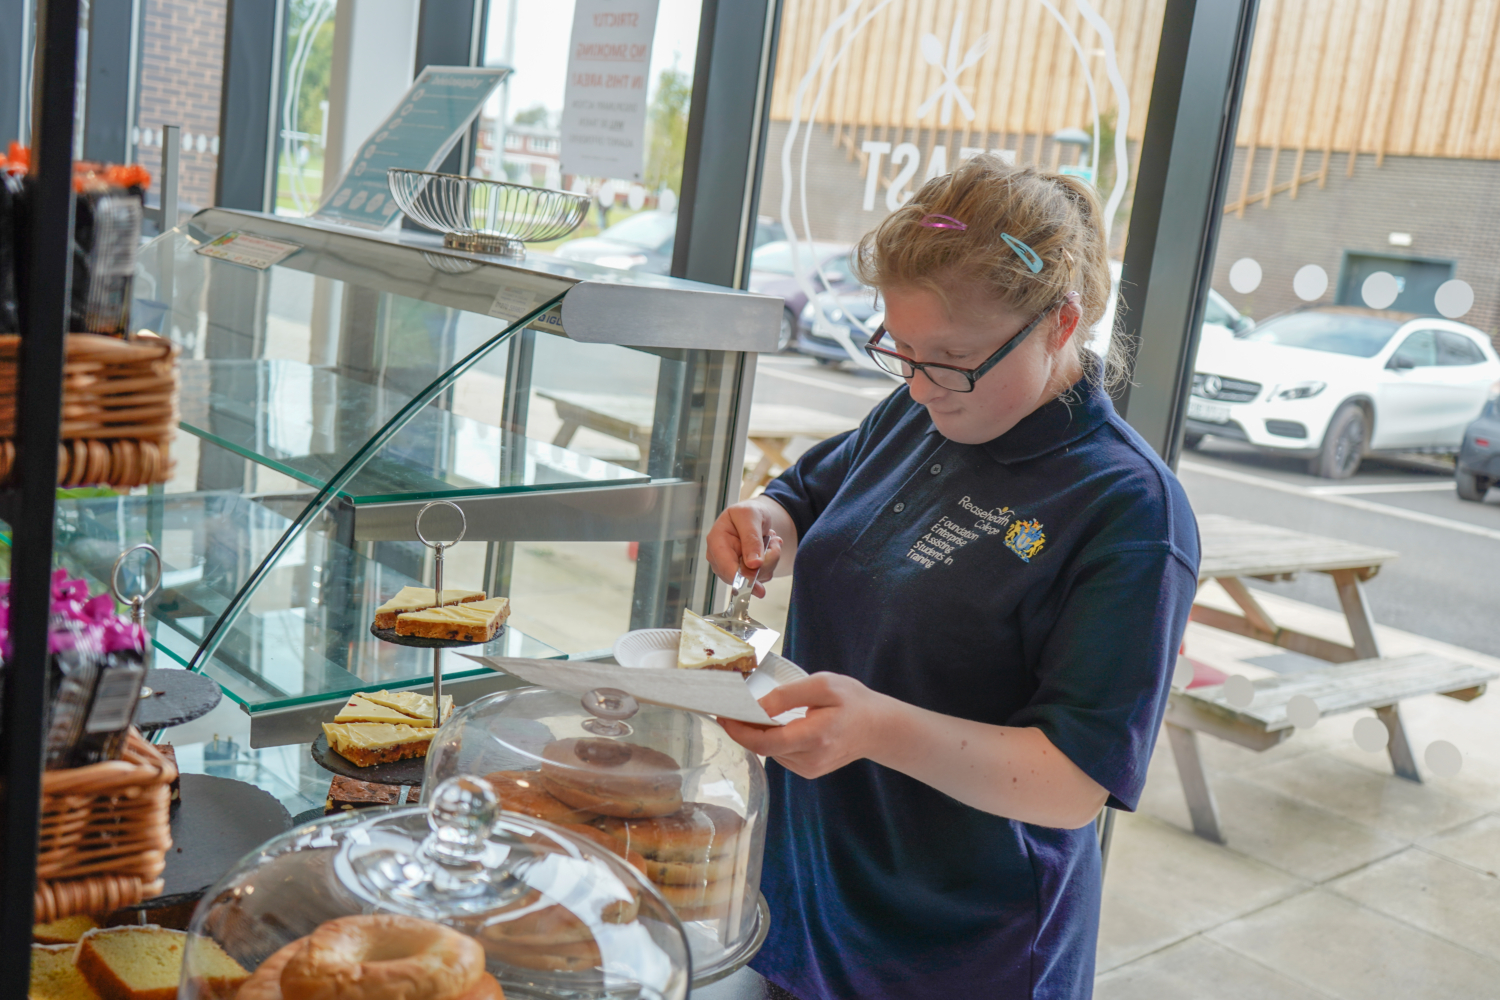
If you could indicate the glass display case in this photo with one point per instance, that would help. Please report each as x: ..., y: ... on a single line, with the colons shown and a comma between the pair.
x: 453, y: 901
x: 326, y: 397
x: 668, y: 790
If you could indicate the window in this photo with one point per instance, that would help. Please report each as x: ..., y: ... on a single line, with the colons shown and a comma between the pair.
x: 1336, y: 331
x: 1420, y: 349
x: 1455, y: 349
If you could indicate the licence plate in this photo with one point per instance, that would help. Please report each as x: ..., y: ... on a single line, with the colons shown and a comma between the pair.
x: 1202, y: 409
x: 822, y: 328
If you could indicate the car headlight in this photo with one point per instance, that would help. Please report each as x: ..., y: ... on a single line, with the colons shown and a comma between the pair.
x: 624, y: 261
x: 834, y: 315
x: 1302, y: 390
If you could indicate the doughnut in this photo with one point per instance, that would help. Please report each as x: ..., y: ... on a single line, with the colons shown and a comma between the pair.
x: 383, y: 957
x: 611, y: 777
x: 265, y: 984
x: 694, y: 834
x: 610, y: 844
x: 690, y: 873
x: 699, y: 902
x: 522, y: 792
x: 577, y: 957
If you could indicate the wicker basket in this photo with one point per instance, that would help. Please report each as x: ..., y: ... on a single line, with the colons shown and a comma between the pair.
x: 104, y: 833
x: 119, y: 412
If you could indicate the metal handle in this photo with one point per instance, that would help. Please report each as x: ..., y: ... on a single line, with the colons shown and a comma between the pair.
x: 138, y: 602
x: 743, y: 589
x: 437, y: 595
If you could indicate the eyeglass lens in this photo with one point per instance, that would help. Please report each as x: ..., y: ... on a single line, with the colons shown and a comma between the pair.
x: 945, y: 378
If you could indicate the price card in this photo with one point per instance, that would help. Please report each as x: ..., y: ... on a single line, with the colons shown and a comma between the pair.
x: 251, y: 251
x: 512, y: 302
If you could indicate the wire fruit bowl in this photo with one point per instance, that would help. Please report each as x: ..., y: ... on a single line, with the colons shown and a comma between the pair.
x: 484, y: 216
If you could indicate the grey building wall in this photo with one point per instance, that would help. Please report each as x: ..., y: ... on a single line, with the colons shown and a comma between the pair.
x: 1450, y: 207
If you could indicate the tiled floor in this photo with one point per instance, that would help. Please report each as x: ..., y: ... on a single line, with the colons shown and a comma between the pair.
x: 1338, y: 879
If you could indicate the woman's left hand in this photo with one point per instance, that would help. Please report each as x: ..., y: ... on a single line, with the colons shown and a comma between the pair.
x: 843, y: 719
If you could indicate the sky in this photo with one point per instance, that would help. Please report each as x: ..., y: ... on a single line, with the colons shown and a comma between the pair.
x: 541, y: 51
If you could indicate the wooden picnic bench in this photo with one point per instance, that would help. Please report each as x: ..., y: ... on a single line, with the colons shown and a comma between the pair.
x: 630, y: 418
x: 1360, y: 678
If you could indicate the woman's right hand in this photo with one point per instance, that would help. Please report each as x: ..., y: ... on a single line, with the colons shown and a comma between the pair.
x: 750, y: 534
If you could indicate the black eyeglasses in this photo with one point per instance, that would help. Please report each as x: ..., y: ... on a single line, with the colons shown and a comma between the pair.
x: 948, y: 376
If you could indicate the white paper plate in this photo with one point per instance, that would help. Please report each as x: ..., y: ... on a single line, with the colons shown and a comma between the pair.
x: 773, y: 672
x: 648, y: 647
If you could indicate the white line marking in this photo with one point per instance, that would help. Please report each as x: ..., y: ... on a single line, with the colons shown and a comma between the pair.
x: 1343, y: 501
x: 862, y: 393
x: 1332, y: 491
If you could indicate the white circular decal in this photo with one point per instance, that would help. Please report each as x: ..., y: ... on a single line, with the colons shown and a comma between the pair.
x: 1244, y: 275
x: 1380, y: 290
x: 1310, y: 282
x: 1371, y: 735
x: 1454, y: 298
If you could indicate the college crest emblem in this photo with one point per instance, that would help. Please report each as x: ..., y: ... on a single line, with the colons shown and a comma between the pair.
x: 1025, y: 539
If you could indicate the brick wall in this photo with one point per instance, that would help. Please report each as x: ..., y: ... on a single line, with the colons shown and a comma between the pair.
x: 1450, y: 207
x: 181, y: 66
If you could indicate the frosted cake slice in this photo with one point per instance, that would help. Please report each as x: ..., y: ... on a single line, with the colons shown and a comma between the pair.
x: 366, y: 743
x: 418, y: 599
x: 416, y: 707
x: 474, y: 622
x: 705, y: 646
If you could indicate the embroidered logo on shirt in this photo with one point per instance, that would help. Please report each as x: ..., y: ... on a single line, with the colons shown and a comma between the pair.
x: 1025, y: 539
x: 949, y: 534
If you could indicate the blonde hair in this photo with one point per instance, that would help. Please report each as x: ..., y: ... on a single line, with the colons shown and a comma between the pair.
x: 1057, y: 216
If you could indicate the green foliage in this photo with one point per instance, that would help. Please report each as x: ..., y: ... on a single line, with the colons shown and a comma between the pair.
x: 319, y: 64
x: 666, y: 130
x: 537, y: 114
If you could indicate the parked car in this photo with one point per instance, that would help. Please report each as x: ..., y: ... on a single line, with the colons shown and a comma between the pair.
x: 826, y: 266
x: 644, y: 242
x: 1333, y: 383
x: 848, y: 316
x: 1478, y: 465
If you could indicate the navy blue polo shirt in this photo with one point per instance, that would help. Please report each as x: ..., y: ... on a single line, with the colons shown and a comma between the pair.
x: 1042, y: 579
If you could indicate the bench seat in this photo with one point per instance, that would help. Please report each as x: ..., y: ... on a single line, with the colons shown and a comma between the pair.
x: 1379, y: 684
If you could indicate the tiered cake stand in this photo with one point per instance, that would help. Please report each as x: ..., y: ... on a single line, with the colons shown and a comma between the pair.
x: 409, y: 771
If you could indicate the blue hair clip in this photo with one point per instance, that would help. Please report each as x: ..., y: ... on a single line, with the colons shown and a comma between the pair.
x: 1024, y: 252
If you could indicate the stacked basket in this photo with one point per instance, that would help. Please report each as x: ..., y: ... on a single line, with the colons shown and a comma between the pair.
x: 104, y: 833
x: 119, y: 411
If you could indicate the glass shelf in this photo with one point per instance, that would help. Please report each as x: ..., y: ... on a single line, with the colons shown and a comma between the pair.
x: 304, y: 637
x: 307, y: 422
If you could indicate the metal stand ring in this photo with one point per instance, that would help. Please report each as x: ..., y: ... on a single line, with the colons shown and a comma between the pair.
x: 114, y: 576
x: 463, y: 523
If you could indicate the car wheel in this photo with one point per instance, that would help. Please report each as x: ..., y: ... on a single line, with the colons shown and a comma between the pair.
x: 1471, y: 487
x: 1343, y: 444
x: 788, y: 330
x: 1191, y: 441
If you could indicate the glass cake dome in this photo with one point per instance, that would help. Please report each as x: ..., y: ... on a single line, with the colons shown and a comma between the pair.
x: 665, y: 789
x: 453, y: 900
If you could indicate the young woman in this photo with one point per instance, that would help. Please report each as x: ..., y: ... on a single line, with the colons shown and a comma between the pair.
x: 993, y: 575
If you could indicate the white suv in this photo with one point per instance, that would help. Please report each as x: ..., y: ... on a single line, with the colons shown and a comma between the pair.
x: 1334, y: 383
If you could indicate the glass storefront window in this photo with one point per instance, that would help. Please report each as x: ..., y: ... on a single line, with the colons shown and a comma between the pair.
x: 180, y: 63
x: 519, y: 138
x: 871, y: 99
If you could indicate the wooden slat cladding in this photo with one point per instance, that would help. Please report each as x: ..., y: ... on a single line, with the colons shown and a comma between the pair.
x: 1028, y: 82
x: 1383, y: 77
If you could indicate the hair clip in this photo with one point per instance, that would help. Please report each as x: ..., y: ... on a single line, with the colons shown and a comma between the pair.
x: 935, y: 221
x: 1024, y: 252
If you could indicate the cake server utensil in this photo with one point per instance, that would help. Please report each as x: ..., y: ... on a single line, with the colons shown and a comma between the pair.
x: 736, y: 619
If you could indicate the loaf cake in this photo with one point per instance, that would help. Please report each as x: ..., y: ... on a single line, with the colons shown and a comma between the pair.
x: 473, y: 622
x: 418, y: 599
x: 65, y: 931
x: 145, y: 963
x: 366, y: 743
x: 705, y: 646
x: 55, y: 977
